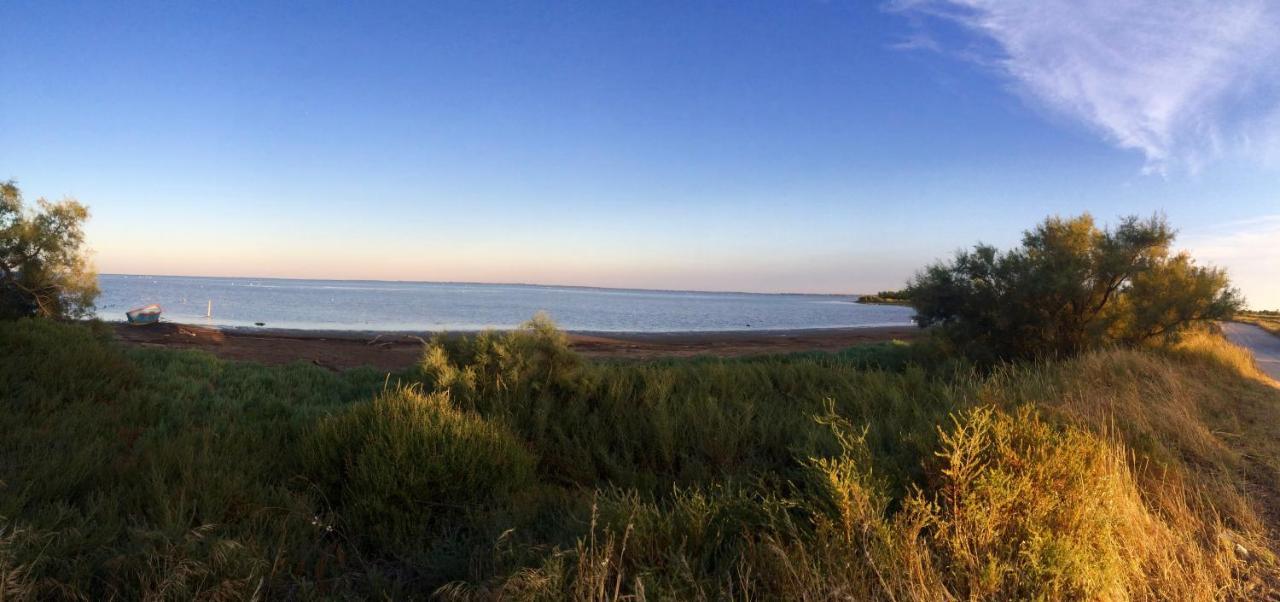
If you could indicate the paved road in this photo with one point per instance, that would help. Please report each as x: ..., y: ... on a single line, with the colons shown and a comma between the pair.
x: 1264, y: 345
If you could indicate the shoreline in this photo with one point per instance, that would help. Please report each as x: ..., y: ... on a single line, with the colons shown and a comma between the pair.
x: 343, y: 349
x: 628, y: 334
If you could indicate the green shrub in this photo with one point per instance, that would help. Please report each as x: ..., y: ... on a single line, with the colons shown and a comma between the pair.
x: 402, y: 468
x: 48, y: 364
x: 534, y: 359
x: 1070, y: 287
x: 150, y: 473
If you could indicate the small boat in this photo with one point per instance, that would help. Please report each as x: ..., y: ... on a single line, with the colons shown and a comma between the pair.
x: 144, y: 315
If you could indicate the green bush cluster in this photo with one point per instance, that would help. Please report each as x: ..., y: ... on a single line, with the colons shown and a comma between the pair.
x: 1070, y: 287
x: 655, y: 425
x: 52, y: 365
x: 401, y: 469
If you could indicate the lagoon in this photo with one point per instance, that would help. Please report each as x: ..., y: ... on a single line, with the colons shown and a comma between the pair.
x: 435, y: 306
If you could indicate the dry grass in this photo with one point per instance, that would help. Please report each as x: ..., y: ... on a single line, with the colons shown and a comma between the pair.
x: 1133, y: 475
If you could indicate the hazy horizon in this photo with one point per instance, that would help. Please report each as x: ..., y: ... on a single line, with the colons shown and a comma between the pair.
x: 807, y: 147
x: 478, y: 283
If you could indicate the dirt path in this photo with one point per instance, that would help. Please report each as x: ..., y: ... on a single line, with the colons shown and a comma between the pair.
x: 1264, y: 345
x: 348, y: 349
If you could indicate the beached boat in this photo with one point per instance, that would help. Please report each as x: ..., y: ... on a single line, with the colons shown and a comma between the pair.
x: 144, y: 315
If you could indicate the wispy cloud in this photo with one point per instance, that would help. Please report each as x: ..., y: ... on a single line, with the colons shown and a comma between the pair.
x: 918, y: 40
x: 1182, y: 81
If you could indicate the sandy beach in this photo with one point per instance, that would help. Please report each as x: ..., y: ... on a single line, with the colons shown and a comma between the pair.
x: 338, y: 350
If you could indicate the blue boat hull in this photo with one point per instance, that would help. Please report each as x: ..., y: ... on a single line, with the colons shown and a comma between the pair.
x: 144, y: 315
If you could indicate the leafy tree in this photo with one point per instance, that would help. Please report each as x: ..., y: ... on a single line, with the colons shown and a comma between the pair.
x: 44, y: 268
x: 1070, y: 287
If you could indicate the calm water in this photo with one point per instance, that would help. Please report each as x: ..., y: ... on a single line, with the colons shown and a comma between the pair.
x: 426, y: 306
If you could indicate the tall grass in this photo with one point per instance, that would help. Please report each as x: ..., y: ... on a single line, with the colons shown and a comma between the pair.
x: 506, y: 467
x: 407, y: 468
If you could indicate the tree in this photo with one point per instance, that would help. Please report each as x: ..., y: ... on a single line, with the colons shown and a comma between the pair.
x: 44, y: 268
x: 1070, y: 287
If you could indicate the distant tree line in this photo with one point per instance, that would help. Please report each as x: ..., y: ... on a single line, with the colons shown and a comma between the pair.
x: 886, y: 298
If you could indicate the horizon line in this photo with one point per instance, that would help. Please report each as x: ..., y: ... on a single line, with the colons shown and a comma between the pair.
x: 478, y: 283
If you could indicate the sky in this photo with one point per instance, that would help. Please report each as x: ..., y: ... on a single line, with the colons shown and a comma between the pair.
x: 799, y: 146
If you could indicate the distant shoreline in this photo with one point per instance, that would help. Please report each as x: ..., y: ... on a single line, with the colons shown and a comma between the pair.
x: 636, y: 334
x: 343, y: 349
x: 885, y: 298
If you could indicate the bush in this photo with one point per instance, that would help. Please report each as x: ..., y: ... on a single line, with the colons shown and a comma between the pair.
x: 534, y: 359
x: 44, y: 269
x: 49, y: 365
x: 655, y: 425
x: 1069, y: 288
x: 401, y: 469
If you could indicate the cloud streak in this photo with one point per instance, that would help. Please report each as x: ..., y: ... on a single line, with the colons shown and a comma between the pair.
x: 1184, y: 82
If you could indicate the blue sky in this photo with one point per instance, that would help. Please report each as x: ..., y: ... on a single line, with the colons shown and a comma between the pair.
x: 766, y: 146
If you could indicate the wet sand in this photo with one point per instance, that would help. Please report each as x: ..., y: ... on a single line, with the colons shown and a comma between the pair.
x: 337, y: 350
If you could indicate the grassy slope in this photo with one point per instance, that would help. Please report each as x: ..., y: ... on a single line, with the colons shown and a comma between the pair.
x: 507, y: 466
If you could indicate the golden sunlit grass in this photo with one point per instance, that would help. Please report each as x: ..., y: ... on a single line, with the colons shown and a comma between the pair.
x: 1033, y: 493
x: 506, y: 467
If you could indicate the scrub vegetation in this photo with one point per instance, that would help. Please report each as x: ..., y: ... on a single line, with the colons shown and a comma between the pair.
x: 1070, y: 287
x: 1112, y: 448
x: 505, y: 466
x: 886, y: 298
